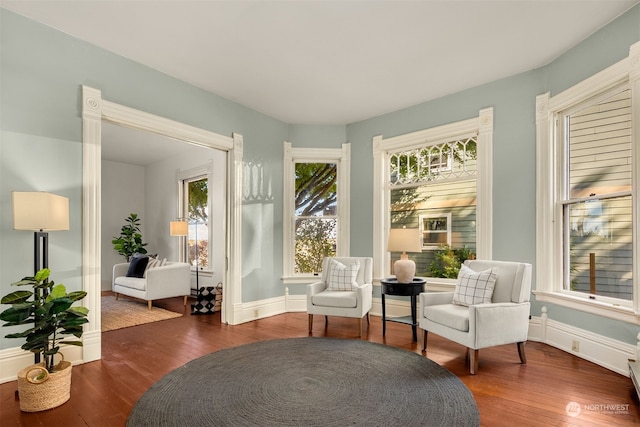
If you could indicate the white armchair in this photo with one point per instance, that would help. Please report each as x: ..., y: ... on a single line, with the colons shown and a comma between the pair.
x: 343, y: 291
x: 502, y: 320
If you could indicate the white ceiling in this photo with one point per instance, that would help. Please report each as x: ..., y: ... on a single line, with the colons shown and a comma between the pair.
x: 331, y: 62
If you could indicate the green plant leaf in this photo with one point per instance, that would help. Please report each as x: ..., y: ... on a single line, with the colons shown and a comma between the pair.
x: 16, y: 297
x: 77, y: 295
x: 78, y: 311
x: 42, y: 274
x: 19, y: 334
x: 58, y: 291
x: 25, y: 281
x: 60, y: 305
x: 15, y: 317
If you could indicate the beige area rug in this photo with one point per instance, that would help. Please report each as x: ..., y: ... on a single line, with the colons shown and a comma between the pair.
x: 124, y: 313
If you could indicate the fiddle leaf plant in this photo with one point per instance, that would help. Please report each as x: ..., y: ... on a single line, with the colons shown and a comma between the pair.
x: 130, y: 240
x: 49, y: 310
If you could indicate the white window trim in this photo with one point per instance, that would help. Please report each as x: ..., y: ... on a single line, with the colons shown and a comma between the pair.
x: 448, y: 231
x: 549, y: 271
x: 340, y: 156
x: 203, y: 171
x: 482, y: 125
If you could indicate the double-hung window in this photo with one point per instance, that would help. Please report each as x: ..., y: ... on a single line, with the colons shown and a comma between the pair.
x: 316, y: 209
x: 195, y: 203
x: 588, y: 160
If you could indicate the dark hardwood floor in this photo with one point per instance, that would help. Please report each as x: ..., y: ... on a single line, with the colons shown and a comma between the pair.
x: 507, y: 393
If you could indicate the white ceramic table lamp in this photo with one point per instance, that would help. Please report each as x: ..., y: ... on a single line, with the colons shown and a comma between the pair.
x: 404, y: 240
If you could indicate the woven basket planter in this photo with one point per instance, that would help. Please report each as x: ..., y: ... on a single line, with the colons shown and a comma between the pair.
x: 40, y: 390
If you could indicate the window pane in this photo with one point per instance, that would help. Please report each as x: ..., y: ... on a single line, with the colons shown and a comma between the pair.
x: 436, y: 224
x: 199, y: 233
x: 315, y: 239
x: 449, y: 160
x: 436, y: 200
x: 600, y: 249
x: 316, y: 189
x: 198, y: 212
x: 315, y: 214
x: 600, y: 147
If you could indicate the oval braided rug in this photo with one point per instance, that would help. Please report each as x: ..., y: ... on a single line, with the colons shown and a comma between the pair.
x: 308, y: 382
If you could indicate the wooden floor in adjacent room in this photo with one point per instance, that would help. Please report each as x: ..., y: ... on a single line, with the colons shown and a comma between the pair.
x: 507, y: 393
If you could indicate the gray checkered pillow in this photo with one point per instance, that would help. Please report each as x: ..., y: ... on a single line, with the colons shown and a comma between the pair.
x: 474, y: 287
x: 342, y: 277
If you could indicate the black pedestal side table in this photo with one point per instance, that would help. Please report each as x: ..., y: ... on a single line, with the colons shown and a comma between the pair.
x: 391, y: 286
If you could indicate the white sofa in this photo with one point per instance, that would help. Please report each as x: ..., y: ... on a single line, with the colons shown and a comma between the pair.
x: 170, y: 280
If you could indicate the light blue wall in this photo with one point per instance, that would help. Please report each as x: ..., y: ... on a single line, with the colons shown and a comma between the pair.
x: 514, y: 199
x: 41, y: 71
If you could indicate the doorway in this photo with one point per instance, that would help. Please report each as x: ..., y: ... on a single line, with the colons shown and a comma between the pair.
x: 97, y: 111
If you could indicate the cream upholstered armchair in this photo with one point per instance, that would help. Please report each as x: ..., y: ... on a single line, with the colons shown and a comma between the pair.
x: 345, y: 289
x: 489, y: 307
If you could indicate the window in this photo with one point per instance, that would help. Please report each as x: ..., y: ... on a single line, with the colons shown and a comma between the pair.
x: 439, y: 181
x: 435, y: 230
x: 195, y: 207
x: 588, y: 200
x: 316, y: 211
x: 196, y: 198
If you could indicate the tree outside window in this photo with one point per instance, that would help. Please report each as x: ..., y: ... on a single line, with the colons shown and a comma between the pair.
x: 197, y: 198
x: 315, y: 217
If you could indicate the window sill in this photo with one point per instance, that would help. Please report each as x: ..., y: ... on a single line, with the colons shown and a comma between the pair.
x: 600, y: 308
x: 300, y: 280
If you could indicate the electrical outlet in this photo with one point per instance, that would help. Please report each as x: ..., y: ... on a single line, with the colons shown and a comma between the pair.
x: 575, y: 346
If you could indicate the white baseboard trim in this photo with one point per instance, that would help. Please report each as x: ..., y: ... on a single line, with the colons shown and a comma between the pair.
x: 12, y: 360
x: 604, y: 351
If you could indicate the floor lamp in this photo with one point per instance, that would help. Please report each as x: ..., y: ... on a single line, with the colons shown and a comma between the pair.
x: 40, y: 212
x: 181, y: 228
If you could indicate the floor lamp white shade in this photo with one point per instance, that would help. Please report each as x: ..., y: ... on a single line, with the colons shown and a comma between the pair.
x: 179, y: 228
x: 39, y: 211
x: 404, y: 240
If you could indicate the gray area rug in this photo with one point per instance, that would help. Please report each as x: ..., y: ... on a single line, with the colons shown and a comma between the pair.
x: 308, y: 382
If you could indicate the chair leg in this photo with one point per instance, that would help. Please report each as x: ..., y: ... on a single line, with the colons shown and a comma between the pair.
x: 473, y: 361
x: 523, y: 357
x: 424, y: 339
x: 310, y: 322
x: 326, y: 320
x: 360, y: 327
x: 367, y: 318
x: 185, y: 301
x: 149, y: 304
x: 117, y: 295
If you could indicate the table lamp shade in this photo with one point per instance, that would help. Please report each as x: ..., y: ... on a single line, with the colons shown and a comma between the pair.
x: 179, y: 228
x: 404, y: 240
x: 37, y: 210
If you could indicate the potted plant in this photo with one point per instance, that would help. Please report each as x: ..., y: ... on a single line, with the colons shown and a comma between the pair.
x: 49, y: 309
x: 130, y: 240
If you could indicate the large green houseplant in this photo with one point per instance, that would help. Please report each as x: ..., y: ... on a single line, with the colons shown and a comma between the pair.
x: 130, y: 240
x: 49, y: 311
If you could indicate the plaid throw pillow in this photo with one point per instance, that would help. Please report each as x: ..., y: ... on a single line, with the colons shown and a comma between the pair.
x: 474, y: 287
x: 342, y: 277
